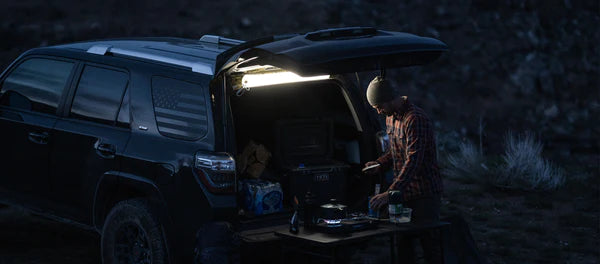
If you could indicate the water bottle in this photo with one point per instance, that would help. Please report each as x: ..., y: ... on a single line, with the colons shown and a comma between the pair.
x: 294, y: 225
x: 372, y: 211
x: 395, y: 206
x: 310, y: 208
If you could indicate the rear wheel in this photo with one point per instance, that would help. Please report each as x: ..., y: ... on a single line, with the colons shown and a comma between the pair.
x: 133, y: 234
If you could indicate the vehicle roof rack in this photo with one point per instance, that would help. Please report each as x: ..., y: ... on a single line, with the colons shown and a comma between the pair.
x: 196, y: 66
x: 220, y: 40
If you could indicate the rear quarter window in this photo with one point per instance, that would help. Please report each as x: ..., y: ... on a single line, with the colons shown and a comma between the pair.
x: 180, y: 108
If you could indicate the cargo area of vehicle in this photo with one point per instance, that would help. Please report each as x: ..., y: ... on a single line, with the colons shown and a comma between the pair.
x: 298, y: 137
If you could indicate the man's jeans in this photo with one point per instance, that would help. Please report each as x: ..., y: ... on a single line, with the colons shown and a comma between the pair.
x: 423, y: 210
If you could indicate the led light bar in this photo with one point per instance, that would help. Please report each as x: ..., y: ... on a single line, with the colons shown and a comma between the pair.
x: 272, y: 78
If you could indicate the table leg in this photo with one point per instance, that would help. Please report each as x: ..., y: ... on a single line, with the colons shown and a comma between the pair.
x: 333, y: 254
x: 393, y: 249
x: 282, y: 256
x: 442, y: 230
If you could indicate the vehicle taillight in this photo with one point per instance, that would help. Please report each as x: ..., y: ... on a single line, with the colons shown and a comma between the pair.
x: 216, y: 171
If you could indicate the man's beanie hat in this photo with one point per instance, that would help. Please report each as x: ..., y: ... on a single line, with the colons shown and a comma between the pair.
x: 380, y: 91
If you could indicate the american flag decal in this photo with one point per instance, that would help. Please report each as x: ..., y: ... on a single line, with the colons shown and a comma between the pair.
x: 180, y: 108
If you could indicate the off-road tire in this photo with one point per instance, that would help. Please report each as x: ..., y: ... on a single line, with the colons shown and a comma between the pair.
x: 121, y: 243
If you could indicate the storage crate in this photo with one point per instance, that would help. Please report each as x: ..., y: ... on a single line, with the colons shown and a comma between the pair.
x: 325, y: 181
x: 303, y: 141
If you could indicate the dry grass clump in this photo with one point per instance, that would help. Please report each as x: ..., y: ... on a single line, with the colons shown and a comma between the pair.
x: 523, y: 166
x: 467, y: 165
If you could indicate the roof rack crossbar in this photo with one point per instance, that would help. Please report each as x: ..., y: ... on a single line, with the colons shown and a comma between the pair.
x: 99, y: 49
x: 220, y: 40
x: 196, y: 66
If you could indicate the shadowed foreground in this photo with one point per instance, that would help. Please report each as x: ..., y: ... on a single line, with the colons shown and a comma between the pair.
x: 25, y: 238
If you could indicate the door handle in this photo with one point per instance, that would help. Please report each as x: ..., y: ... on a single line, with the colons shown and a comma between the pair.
x: 104, y: 150
x: 38, y: 137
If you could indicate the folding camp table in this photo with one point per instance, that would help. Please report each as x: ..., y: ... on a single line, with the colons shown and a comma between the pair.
x: 326, y: 246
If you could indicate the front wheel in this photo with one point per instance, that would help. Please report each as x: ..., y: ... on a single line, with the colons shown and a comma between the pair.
x: 132, y: 234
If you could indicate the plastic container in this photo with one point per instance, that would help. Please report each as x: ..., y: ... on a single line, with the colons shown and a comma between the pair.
x: 404, y: 217
x: 262, y: 197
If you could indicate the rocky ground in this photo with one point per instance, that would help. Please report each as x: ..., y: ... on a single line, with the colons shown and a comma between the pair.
x: 512, y: 65
x: 508, y: 227
x: 520, y: 227
x: 26, y: 238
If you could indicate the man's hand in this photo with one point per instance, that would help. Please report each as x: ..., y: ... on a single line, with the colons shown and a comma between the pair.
x: 373, y: 171
x: 379, y: 200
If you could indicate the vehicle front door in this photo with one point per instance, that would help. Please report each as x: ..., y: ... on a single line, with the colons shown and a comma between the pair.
x: 90, y: 138
x: 30, y: 95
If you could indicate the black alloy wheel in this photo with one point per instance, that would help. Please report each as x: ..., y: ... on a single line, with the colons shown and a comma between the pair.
x: 132, y: 245
x: 132, y: 234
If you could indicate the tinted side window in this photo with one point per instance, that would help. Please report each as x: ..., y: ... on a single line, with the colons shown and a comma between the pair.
x: 36, y: 84
x: 180, y: 108
x: 98, y: 95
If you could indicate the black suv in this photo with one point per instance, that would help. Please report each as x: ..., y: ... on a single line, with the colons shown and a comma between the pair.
x: 137, y: 139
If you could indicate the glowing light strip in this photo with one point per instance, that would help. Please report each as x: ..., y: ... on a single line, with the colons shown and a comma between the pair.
x: 264, y: 79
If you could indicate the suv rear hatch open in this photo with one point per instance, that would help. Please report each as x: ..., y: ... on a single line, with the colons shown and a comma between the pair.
x: 335, y: 51
x: 301, y: 82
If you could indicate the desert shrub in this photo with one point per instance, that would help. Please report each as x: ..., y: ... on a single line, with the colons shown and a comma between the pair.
x: 523, y: 166
x: 467, y: 164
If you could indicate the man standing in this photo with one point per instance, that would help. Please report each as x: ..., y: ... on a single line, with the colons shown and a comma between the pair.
x: 412, y: 155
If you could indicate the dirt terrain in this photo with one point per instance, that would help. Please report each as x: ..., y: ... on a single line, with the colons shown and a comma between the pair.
x: 26, y: 238
x: 512, y: 65
x: 511, y: 227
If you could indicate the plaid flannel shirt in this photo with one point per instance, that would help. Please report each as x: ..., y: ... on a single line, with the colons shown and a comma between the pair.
x: 412, y: 153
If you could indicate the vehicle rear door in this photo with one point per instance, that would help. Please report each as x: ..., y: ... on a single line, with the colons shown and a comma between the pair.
x: 90, y: 137
x: 335, y: 51
x: 30, y: 95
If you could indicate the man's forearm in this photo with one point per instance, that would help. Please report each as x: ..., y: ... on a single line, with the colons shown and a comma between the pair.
x: 404, y: 177
x: 385, y: 160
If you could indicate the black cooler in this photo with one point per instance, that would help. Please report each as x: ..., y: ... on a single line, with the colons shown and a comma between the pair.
x: 304, y: 152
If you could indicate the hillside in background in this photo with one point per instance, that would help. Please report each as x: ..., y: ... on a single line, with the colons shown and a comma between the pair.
x: 512, y: 65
